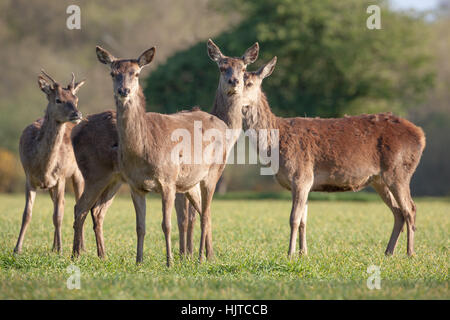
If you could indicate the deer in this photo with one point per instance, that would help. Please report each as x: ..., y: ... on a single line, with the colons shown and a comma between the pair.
x: 47, y: 155
x: 226, y: 109
x: 337, y: 155
x: 95, y: 143
x: 144, y: 152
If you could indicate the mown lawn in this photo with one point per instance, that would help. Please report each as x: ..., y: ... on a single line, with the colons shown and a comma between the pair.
x: 250, y: 241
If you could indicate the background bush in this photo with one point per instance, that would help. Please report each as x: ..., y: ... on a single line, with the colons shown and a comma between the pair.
x: 329, y: 64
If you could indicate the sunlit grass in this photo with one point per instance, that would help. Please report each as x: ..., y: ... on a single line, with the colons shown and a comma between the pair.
x: 250, y: 242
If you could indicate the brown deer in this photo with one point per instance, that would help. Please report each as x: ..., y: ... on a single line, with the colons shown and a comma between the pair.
x: 344, y: 154
x: 96, y: 145
x: 95, y: 142
x: 47, y: 155
x: 225, y: 107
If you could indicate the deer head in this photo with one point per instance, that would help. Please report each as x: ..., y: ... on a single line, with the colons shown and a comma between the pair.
x: 232, y: 69
x: 125, y: 72
x: 253, y: 81
x: 63, y: 102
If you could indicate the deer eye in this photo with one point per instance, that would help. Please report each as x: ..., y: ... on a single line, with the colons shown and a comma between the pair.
x: 58, y: 100
x: 136, y: 74
x: 222, y: 69
x: 249, y: 84
x: 112, y: 74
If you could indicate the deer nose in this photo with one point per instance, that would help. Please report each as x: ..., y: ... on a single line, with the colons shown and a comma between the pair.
x: 233, y: 81
x: 124, y: 91
x: 76, y: 115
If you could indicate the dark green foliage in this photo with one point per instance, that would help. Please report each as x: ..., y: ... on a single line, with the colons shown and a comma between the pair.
x: 183, y: 82
x: 190, y: 78
x: 329, y: 63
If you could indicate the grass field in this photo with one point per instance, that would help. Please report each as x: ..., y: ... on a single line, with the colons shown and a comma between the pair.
x: 250, y: 241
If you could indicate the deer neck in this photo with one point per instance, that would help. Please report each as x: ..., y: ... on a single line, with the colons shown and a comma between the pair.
x: 131, y: 125
x: 229, y: 110
x: 260, y: 118
x: 50, y: 139
x: 259, y: 115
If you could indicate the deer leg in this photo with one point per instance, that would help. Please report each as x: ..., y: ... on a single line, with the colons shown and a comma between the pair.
x: 194, y: 196
x: 30, y: 195
x: 302, y: 231
x: 190, y: 233
x: 98, y: 213
x: 58, y: 213
x: 182, y: 209
x: 139, y: 206
x: 168, y: 198
x: 52, y: 194
x: 207, y: 192
x: 408, y: 208
x: 92, y: 190
x: 299, y: 197
x: 186, y: 221
x: 78, y: 186
x: 185, y: 205
x: 399, y: 221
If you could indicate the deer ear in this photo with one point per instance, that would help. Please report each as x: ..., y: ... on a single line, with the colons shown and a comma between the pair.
x: 146, y: 57
x: 44, y: 85
x: 214, y: 51
x: 251, y: 54
x: 77, y: 86
x: 104, y: 56
x: 267, y: 69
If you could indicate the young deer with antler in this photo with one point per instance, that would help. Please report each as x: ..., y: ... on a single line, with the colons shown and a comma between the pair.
x: 345, y: 154
x: 47, y: 156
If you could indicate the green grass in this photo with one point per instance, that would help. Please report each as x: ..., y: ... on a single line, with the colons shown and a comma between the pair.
x: 363, y: 196
x: 250, y: 242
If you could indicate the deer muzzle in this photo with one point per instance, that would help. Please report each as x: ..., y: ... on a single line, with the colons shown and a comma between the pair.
x: 76, y: 117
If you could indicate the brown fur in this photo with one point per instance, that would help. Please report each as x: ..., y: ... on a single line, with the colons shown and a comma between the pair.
x: 95, y: 142
x: 228, y: 107
x: 344, y: 154
x: 102, y: 184
x: 144, y: 153
x: 144, y: 158
x: 47, y: 155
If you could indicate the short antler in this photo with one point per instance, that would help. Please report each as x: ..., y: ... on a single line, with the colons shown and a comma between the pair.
x: 48, y: 76
x: 72, y: 83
